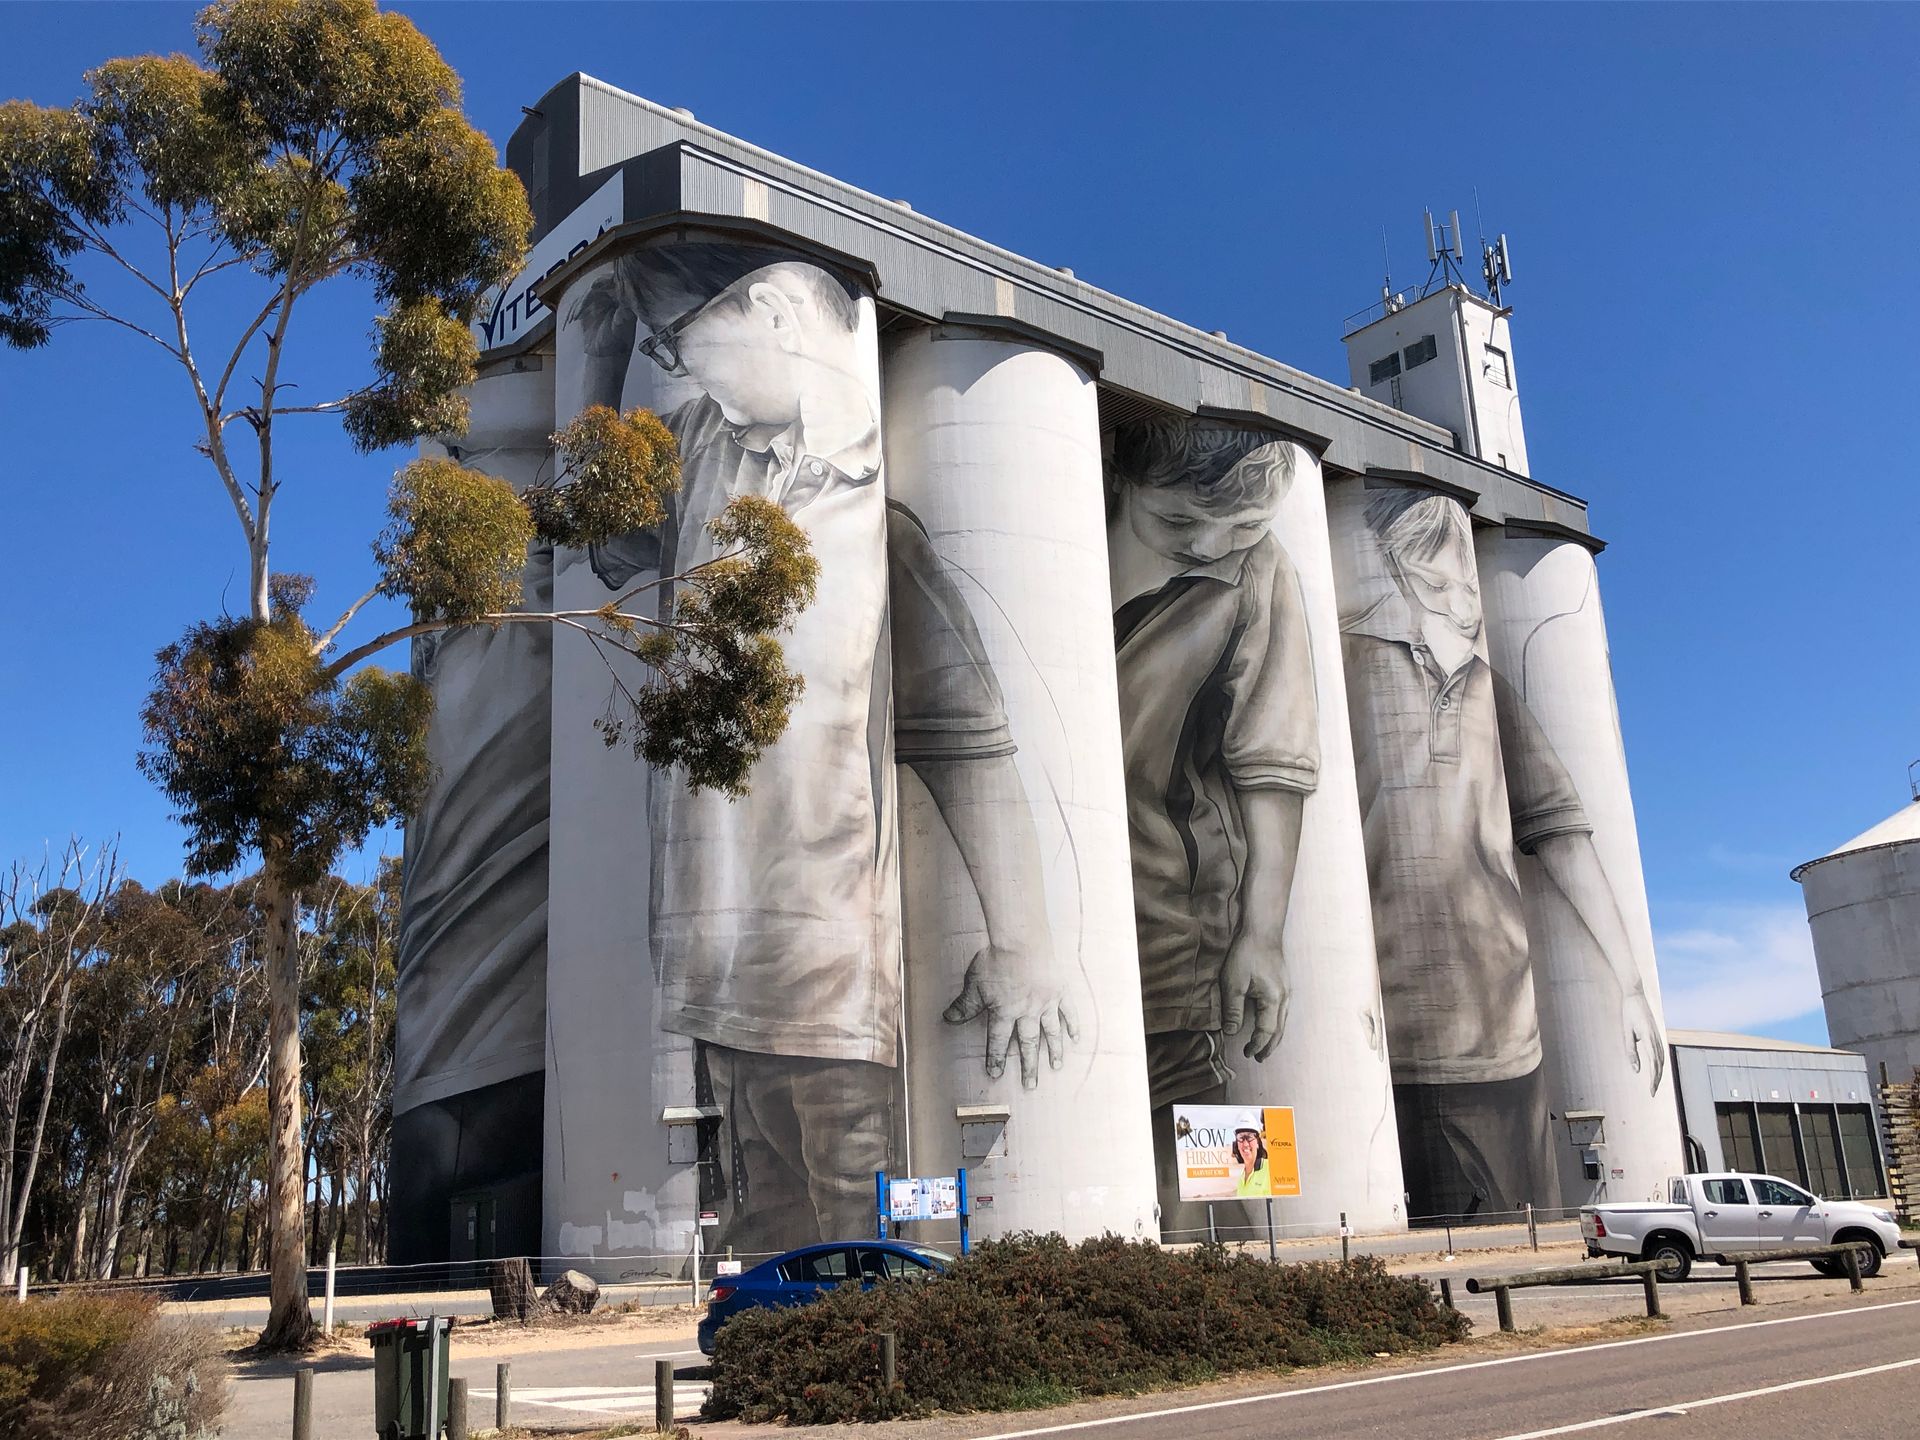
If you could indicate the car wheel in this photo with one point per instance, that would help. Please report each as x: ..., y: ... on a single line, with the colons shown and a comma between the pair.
x: 1832, y: 1269
x: 1674, y: 1256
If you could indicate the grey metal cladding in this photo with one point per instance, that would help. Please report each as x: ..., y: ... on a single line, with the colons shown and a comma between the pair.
x: 584, y: 127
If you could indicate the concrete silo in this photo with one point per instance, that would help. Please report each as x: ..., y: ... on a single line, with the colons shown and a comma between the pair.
x: 1863, y: 904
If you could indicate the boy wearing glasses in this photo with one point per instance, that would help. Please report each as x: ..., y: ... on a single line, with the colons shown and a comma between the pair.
x: 774, y: 918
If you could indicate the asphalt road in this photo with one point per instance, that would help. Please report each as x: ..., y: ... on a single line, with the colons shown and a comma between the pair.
x: 1850, y: 1372
x: 551, y: 1389
x: 1834, y: 1368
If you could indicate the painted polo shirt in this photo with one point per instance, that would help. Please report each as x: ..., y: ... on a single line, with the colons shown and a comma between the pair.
x: 1445, y: 803
x: 1216, y: 698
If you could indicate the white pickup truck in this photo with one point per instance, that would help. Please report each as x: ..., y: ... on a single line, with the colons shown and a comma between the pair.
x: 1716, y: 1217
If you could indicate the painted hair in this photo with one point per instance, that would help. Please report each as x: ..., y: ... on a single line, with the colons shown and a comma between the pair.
x: 1202, y: 457
x: 1416, y: 525
x: 651, y: 288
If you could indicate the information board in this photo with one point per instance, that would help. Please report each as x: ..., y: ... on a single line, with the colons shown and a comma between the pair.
x: 925, y: 1197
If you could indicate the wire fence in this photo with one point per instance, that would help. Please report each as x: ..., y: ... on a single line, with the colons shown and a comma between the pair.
x: 678, y: 1276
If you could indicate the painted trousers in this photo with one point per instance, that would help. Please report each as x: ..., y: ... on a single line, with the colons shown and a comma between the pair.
x: 800, y: 1141
x: 1480, y: 1149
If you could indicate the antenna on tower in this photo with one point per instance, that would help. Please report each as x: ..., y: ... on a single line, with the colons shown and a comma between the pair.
x: 1444, y: 251
x: 1496, y: 267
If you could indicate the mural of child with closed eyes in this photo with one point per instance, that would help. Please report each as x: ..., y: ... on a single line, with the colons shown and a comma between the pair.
x: 1219, y: 731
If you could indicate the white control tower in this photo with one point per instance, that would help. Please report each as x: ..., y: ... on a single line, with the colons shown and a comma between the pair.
x: 1443, y: 352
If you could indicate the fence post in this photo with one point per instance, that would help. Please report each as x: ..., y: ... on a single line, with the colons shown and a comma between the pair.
x: 332, y: 1257
x: 1533, y: 1228
x: 1850, y: 1257
x: 1503, y: 1307
x: 502, y: 1395
x: 456, y: 1409
x: 1273, y: 1249
x: 1446, y: 1293
x: 24, y: 1272
x: 1652, y: 1281
x: 1743, y: 1273
x: 303, y: 1403
x: 1213, y: 1237
x: 663, y: 1395
x: 1344, y: 1240
x: 889, y: 1359
x: 1449, y: 1239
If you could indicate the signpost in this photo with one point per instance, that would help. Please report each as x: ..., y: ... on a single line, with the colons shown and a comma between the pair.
x: 922, y: 1197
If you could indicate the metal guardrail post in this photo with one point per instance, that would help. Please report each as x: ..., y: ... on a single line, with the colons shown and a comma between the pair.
x: 1651, y: 1279
x: 1345, y: 1241
x: 456, y: 1409
x: 1743, y: 1273
x: 502, y: 1395
x: 303, y: 1403
x: 1503, y: 1306
x: 889, y: 1359
x: 1850, y: 1258
x: 663, y: 1416
x: 326, y: 1325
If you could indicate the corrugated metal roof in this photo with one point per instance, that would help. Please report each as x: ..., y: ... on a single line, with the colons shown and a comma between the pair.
x: 1726, y: 1040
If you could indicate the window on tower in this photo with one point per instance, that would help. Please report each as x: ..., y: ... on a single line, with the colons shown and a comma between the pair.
x: 1421, y: 351
x: 1382, y: 371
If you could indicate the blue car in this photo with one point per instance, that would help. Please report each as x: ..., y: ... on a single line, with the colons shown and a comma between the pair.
x: 803, y: 1275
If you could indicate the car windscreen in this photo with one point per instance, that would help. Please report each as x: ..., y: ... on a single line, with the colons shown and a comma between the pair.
x: 939, y: 1257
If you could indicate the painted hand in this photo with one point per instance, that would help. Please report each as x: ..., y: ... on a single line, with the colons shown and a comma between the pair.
x: 1025, y: 1006
x: 1638, y: 1030
x: 1253, y: 983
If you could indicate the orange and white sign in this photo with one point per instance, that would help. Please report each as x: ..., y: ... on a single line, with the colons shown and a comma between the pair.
x: 1236, y: 1152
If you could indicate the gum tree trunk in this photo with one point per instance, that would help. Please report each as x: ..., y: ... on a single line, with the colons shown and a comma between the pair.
x: 289, y: 1322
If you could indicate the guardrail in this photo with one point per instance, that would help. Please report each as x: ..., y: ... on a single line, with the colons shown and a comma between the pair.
x: 1502, y: 1286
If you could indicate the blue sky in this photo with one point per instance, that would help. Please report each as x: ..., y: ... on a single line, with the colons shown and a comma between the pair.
x: 1712, y: 214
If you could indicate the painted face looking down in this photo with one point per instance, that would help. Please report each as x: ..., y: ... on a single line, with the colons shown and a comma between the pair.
x: 1175, y: 523
x: 1430, y: 553
x: 775, y: 347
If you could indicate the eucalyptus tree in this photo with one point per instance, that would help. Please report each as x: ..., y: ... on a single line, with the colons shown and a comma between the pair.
x: 313, y: 144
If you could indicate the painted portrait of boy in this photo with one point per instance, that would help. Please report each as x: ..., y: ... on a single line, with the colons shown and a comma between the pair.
x: 774, y: 923
x: 1219, y: 731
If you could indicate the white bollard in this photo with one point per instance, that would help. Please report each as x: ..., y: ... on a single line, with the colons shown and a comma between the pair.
x: 23, y: 1284
x: 332, y: 1257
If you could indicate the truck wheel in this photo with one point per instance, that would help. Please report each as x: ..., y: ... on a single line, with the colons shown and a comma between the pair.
x: 1868, y: 1249
x: 1675, y: 1257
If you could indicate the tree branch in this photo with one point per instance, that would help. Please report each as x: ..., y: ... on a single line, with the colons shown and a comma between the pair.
x: 320, y: 645
x: 571, y: 619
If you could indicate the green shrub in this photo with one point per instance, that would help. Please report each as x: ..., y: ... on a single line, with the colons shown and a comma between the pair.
x: 1035, y: 1320
x: 107, y: 1367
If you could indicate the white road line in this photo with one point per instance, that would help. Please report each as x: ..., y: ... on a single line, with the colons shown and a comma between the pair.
x: 688, y: 1397
x: 1681, y: 1407
x: 1461, y: 1368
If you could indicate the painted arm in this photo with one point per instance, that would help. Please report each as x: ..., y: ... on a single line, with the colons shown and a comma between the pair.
x: 1253, y: 979
x: 1573, y: 865
x: 1013, y: 980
